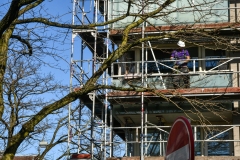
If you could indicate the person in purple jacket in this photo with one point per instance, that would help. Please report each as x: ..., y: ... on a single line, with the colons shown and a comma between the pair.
x: 181, y: 57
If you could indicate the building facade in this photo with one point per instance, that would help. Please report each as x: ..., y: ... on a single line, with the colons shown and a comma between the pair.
x: 143, y: 119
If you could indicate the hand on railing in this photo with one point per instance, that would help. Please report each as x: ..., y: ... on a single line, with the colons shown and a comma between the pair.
x: 180, y: 62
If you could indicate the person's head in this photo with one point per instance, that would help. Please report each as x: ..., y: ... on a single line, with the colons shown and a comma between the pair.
x: 181, y: 44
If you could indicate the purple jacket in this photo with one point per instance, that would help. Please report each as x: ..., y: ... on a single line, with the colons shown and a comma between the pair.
x: 181, y: 55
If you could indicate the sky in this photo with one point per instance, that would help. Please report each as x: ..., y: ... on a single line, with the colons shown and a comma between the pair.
x: 55, y: 7
x: 64, y: 10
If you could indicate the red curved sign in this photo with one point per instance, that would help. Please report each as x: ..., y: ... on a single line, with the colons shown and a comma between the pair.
x: 180, y: 145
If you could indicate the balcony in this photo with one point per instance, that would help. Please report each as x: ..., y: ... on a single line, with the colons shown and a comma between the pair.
x: 211, y: 72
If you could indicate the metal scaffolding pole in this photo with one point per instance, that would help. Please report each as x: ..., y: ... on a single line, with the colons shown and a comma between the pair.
x: 70, y: 82
x: 142, y: 102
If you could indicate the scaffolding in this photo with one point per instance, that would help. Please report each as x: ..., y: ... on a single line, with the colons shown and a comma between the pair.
x: 97, y: 129
x: 92, y: 129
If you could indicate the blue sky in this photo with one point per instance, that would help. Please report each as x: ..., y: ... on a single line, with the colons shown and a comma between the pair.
x: 55, y: 7
x: 63, y: 9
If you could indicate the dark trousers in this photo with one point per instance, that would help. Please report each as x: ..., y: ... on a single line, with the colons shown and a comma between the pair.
x: 181, y: 81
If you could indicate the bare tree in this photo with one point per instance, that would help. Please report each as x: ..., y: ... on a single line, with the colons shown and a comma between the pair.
x: 23, y: 89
